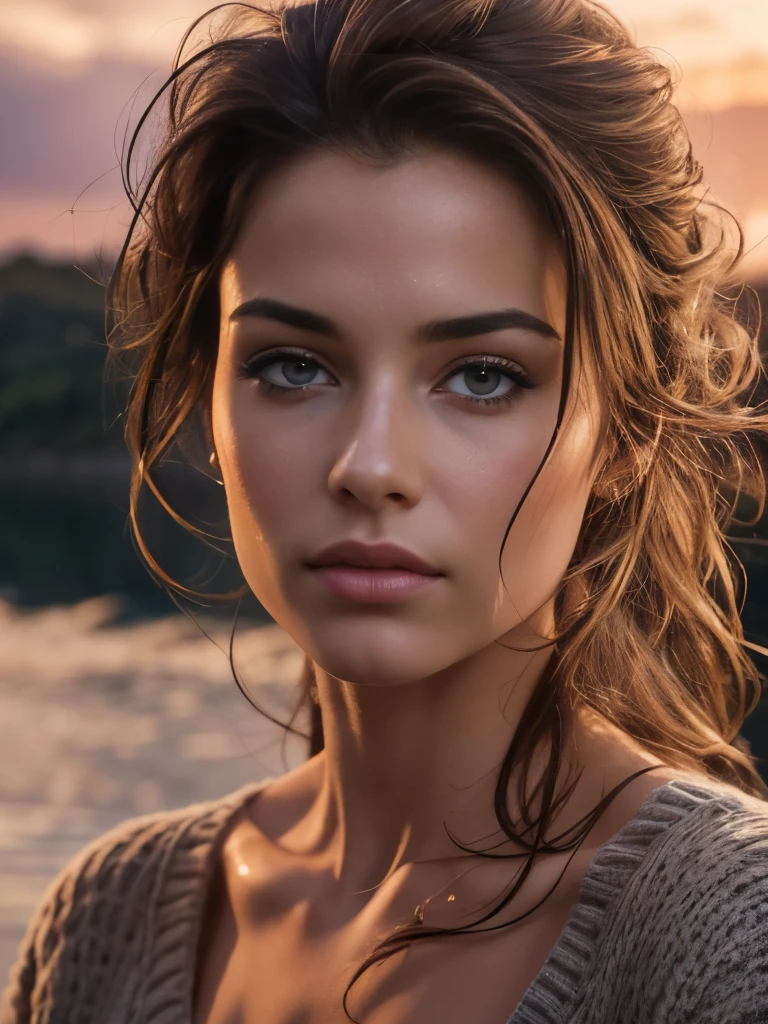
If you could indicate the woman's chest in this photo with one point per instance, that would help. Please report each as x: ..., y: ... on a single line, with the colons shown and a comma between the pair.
x: 268, y: 976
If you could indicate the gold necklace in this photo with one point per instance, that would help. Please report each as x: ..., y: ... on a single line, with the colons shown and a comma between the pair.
x: 418, y: 914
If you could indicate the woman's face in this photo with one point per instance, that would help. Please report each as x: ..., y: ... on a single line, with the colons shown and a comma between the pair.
x: 398, y: 380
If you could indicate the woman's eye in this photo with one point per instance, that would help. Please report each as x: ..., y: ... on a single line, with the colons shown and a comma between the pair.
x: 483, y: 381
x: 285, y: 372
x: 486, y: 382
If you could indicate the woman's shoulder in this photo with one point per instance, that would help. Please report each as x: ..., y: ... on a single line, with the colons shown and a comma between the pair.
x: 674, y: 912
x: 696, y: 847
x: 703, y: 835
x: 114, y: 905
x: 694, y: 923
x: 707, y: 815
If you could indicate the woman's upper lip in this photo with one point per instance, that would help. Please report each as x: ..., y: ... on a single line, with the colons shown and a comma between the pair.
x: 372, y: 556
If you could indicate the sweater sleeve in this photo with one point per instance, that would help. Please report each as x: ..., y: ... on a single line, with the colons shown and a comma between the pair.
x: 683, y: 936
x: 34, y: 955
x: 87, y: 922
x: 729, y: 983
x: 115, y: 934
x: 706, y: 922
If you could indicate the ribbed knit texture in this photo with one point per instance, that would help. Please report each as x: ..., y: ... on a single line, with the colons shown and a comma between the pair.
x: 671, y: 925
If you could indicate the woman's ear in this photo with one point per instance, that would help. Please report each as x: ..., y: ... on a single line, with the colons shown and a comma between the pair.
x: 213, y: 458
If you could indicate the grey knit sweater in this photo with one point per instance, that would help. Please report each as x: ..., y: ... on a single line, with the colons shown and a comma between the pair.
x: 671, y: 926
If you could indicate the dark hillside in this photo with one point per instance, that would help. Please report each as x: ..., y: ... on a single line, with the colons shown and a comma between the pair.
x: 52, y: 351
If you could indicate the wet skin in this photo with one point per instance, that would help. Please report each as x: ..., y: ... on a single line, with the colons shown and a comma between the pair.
x: 389, y: 369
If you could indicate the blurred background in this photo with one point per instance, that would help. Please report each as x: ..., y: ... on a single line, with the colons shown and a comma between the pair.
x: 112, y: 702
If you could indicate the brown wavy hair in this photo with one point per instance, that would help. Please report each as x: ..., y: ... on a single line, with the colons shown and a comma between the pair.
x: 554, y: 94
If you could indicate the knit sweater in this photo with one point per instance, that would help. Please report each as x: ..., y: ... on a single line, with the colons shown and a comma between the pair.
x: 671, y: 926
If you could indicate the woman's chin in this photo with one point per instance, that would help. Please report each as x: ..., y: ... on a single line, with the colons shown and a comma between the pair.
x: 398, y: 669
x: 382, y: 648
x: 370, y: 660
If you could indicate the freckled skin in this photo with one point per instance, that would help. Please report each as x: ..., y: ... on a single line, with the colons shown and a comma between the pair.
x: 420, y: 698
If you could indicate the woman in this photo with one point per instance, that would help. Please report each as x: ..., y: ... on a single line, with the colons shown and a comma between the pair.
x: 436, y: 281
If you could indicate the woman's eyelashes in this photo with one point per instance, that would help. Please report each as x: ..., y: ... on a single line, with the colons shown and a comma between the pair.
x: 483, y: 380
x: 284, y: 371
x: 483, y: 376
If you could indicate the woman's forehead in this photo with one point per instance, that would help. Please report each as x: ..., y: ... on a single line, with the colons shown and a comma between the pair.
x: 435, y: 229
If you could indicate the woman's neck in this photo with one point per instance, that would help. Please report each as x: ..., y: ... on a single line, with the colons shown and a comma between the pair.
x: 403, y: 762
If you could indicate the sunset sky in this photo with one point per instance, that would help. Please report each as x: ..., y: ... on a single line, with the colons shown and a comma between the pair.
x: 69, y: 70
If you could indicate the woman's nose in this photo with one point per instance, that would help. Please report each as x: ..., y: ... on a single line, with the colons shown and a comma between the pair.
x: 380, y: 451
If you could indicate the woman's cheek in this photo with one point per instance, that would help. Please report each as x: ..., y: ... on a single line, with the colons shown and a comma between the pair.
x: 543, y: 537
x: 272, y: 461
x: 266, y: 479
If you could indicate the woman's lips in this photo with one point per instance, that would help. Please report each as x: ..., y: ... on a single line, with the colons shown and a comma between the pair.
x: 384, y: 572
x: 354, y: 583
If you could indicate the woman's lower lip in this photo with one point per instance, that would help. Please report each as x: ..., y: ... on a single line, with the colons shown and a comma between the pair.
x: 371, y: 585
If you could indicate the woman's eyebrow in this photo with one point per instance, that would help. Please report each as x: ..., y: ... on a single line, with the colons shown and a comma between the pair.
x: 436, y: 330
x: 484, y: 323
